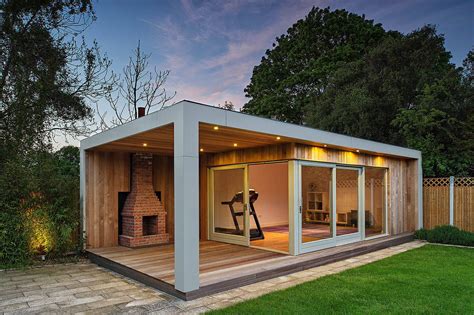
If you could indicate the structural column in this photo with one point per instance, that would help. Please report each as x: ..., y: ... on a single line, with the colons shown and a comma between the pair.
x: 186, y: 201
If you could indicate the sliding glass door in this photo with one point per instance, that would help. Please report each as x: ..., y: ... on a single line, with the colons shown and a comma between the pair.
x: 330, y: 203
x: 347, y: 201
x: 316, y: 203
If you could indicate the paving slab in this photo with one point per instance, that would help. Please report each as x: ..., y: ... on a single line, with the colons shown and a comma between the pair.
x: 85, y: 288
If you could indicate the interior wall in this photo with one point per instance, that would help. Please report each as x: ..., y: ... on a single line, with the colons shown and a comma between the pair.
x: 226, y: 184
x: 346, y: 199
x: 315, y: 179
x: 271, y: 183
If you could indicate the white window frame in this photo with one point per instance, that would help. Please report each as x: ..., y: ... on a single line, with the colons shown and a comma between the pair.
x: 385, y: 192
x: 334, y: 240
x: 243, y: 240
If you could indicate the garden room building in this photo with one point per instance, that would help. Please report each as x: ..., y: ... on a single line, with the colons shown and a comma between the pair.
x: 194, y: 199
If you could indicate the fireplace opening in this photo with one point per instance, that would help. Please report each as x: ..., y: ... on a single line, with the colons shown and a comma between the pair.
x: 150, y: 225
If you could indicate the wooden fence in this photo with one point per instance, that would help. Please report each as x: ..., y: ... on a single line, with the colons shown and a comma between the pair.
x: 448, y: 200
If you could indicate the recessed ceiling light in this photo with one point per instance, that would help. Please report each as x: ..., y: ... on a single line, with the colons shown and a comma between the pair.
x: 278, y: 138
x: 235, y: 144
x: 201, y: 150
x: 145, y: 144
x: 216, y: 127
x: 325, y: 145
x: 357, y: 150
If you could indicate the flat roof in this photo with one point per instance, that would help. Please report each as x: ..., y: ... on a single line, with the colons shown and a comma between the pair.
x: 223, y: 117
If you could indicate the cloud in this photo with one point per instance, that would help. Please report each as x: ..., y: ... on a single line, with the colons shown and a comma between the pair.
x: 211, y: 48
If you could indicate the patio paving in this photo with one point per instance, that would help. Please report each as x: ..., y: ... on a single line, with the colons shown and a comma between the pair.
x: 85, y: 288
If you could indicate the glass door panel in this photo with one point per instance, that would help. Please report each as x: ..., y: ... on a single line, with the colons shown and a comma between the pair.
x: 347, y: 201
x: 316, y: 220
x: 228, y: 204
x: 375, y: 201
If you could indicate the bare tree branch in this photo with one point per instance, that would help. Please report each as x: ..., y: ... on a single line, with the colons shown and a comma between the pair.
x: 139, y: 87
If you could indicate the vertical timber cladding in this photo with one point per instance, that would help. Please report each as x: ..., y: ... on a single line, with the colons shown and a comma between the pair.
x: 163, y: 181
x: 402, y: 174
x: 107, y: 174
x: 464, y: 203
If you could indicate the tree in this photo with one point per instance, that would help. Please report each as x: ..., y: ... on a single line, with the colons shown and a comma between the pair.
x: 140, y: 87
x: 227, y: 105
x: 48, y: 78
x: 47, y: 73
x: 362, y: 81
x: 441, y: 124
x: 364, y: 96
x: 301, y: 62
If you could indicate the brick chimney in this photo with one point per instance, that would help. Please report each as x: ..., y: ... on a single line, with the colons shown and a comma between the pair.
x: 143, y: 215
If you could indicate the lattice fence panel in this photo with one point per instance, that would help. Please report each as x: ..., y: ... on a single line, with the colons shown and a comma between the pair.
x: 436, y: 202
x: 464, y: 203
x: 436, y: 182
x: 464, y: 181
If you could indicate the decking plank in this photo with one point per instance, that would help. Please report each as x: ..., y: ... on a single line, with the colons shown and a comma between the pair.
x: 224, y: 266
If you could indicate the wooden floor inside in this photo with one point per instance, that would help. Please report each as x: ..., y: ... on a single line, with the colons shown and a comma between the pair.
x: 225, y: 266
x: 273, y: 241
x: 214, y: 259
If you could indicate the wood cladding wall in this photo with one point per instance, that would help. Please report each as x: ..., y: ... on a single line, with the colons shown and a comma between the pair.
x: 107, y: 174
x: 163, y: 181
x: 402, y: 173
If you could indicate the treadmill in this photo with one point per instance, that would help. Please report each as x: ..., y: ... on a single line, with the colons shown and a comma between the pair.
x: 255, y: 234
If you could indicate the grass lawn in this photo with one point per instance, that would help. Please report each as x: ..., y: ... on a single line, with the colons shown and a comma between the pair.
x: 431, y: 279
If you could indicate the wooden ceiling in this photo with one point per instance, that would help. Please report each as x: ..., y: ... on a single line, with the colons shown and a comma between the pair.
x: 160, y: 140
x: 226, y: 139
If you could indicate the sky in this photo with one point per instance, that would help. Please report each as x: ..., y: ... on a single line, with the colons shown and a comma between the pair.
x: 211, y: 47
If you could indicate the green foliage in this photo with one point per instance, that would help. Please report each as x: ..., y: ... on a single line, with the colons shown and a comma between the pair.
x: 420, y: 281
x: 446, y: 234
x: 46, y: 80
x: 301, y: 61
x: 46, y: 75
x: 13, y: 240
x: 365, y: 82
x: 42, y: 212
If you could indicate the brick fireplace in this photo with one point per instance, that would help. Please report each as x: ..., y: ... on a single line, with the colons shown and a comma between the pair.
x: 143, y: 214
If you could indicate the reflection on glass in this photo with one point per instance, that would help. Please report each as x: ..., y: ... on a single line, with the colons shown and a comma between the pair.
x: 228, y: 201
x: 375, y: 194
x: 316, y: 192
x: 347, y: 201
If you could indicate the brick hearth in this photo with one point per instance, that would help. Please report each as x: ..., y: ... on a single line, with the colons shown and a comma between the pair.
x: 143, y: 207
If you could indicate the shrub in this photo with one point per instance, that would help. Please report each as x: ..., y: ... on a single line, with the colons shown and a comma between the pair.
x: 446, y: 234
x: 39, y: 206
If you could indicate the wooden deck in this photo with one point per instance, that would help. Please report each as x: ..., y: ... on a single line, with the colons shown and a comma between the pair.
x: 225, y: 266
x: 158, y: 261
